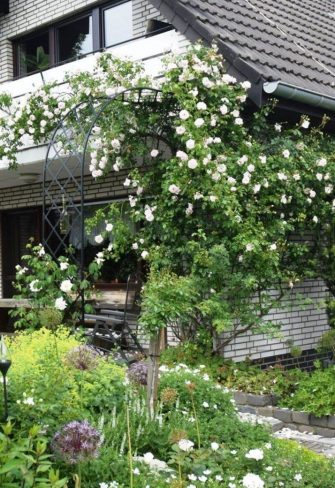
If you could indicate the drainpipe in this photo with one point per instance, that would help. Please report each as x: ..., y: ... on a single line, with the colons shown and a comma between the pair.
x: 301, y: 95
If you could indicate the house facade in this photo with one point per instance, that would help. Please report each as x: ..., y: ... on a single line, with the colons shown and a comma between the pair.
x: 42, y: 40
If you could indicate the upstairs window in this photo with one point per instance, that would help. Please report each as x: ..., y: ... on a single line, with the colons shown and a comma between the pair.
x: 117, y: 24
x: 98, y: 28
x: 33, y: 54
x: 75, y: 39
x: 101, y: 27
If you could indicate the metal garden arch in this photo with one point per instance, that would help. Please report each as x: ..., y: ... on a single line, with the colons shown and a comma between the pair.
x: 66, y: 168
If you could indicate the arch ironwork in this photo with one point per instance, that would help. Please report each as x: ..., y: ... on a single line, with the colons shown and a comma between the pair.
x: 67, y: 164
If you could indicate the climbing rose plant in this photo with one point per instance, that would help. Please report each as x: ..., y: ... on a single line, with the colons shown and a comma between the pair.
x: 228, y: 211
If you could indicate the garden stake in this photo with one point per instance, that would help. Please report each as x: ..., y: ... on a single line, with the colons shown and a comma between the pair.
x: 4, y: 367
x: 130, y: 456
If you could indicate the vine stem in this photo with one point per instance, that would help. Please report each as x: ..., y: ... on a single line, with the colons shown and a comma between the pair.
x: 130, y: 456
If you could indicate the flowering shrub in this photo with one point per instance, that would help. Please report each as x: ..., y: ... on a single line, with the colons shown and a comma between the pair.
x: 53, y: 286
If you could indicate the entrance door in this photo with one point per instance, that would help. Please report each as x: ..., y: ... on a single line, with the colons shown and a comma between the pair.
x: 17, y: 227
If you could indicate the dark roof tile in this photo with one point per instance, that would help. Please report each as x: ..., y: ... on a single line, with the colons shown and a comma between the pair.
x: 287, y: 40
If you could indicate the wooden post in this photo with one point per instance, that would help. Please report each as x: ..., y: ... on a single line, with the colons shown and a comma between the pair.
x: 155, y: 346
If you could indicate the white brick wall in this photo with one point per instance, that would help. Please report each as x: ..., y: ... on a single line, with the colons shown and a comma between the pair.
x: 303, y: 324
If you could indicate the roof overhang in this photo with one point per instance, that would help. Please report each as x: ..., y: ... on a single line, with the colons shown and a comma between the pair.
x: 4, y: 7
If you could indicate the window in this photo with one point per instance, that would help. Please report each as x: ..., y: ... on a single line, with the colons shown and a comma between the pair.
x: 91, y: 31
x: 117, y: 23
x: 33, y: 54
x: 75, y: 39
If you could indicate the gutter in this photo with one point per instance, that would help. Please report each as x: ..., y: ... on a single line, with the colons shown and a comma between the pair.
x: 301, y: 95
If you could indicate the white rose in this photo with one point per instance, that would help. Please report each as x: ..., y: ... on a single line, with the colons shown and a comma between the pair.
x: 238, y: 121
x: 190, y: 144
x: 182, y: 155
x: 144, y: 254
x: 60, y: 303
x: 224, y: 109
x: 184, y: 114
x: 201, y: 106
x: 215, y: 446
x: 34, y: 286
x: 192, y: 164
x: 174, y: 189
x: 66, y: 286
x: 305, y: 124
x: 180, y: 130
x: 99, y: 239
x: 154, y: 153
x: 249, y: 247
x: 109, y: 227
x: 199, y: 122
x: 286, y: 153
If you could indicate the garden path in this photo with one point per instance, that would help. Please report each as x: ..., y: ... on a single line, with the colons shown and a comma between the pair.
x: 314, y: 442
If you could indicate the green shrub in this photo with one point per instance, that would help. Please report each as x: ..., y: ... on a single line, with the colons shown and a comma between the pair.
x: 45, y: 389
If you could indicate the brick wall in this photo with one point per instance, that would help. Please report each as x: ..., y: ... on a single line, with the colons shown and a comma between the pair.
x: 303, y: 324
x: 26, y: 16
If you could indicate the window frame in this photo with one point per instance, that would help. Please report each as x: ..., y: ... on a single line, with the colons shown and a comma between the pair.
x: 98, y: 35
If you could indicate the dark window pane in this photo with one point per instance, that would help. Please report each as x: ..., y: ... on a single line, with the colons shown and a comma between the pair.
x: 118, y: 24
x: 75, y: 39
x: 33, y: 54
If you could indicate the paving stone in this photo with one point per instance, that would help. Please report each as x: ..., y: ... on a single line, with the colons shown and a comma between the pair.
x: 282, y: 414
x: 265, y: 411
x: 240, y: 397
x: 258, y: 400
x: 305, y: 428
x: 300, y: 417
x: 324, y: 432
x: 246, y: 409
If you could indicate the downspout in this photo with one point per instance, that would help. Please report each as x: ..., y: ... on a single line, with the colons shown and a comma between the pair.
x: 296, y: 94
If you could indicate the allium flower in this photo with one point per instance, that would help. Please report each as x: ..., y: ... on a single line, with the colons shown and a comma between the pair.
x: 251, y: 480
x: 138, y: 372
x: 256, y: 454
x: 77, y: 442
x: 82, y: 357
x: 185, y: 445
x: 60, y: 303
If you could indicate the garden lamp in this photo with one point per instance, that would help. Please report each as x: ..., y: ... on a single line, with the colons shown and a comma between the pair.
x: 4, y: 367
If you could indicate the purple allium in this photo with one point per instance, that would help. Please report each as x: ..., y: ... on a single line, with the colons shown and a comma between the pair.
x: 83, y: 358
x: 76, y: 442
x: 138, y: 372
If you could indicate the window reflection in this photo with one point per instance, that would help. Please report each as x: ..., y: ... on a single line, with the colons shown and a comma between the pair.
x: 75, y: 39
x: 118, y: 24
